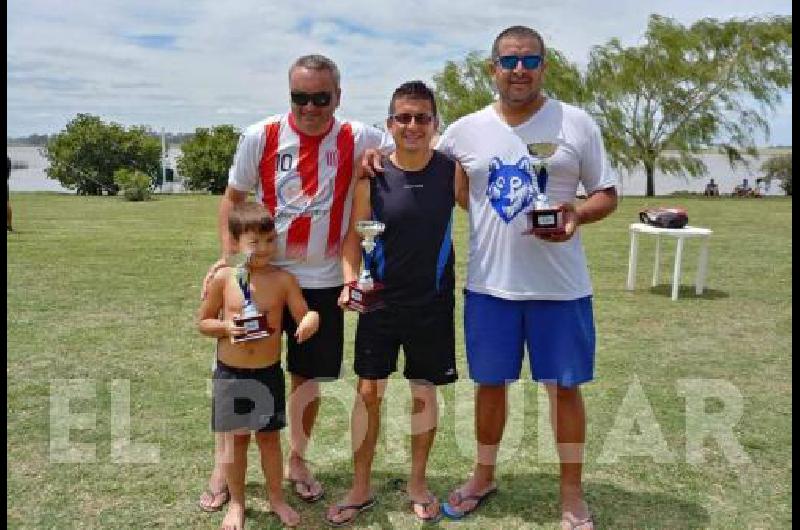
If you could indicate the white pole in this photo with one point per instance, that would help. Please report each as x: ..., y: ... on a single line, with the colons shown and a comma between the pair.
x: 163, y: 158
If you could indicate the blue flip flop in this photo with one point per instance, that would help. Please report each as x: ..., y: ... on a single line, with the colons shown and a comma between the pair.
x: 452, y: 513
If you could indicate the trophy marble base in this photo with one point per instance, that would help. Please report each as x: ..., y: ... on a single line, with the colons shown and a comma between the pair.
x: 256, y: 326
x: 545, y: 221
x: 365, y: 300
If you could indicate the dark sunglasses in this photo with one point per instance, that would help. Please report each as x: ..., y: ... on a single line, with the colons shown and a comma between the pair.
x: 529, y: 62
x: 405, y: 118
x: 319, y: 99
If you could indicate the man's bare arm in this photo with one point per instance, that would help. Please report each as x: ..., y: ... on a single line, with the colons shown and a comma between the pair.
x: 231, y: 198
x: 599, y: 205
x: 351, y: 246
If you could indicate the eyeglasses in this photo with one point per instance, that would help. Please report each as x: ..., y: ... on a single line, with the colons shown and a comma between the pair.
x: 405, y: 118
x: 529, y: 62
x: 319, y: 99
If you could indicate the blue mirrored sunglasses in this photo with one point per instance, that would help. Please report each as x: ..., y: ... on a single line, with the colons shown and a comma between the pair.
x: 529, y: 62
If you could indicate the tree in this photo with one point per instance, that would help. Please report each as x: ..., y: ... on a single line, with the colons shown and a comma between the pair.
x: 85, y: 155
x: 779, y: 167
x: 206, y: 158
x: 686, y: 90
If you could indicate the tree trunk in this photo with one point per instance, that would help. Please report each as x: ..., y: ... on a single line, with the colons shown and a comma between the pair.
x: 649, y: 169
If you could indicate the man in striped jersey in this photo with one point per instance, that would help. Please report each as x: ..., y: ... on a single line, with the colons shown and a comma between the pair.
x: 301, y: 167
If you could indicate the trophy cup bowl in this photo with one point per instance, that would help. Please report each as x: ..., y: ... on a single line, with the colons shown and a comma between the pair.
x: 240, y: 259
x: 543, y: 218
x: 365, y: 293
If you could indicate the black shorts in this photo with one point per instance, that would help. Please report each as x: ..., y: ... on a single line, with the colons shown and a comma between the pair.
x: 320, y: 357
x: 252, y: 399
x: 427, y: 336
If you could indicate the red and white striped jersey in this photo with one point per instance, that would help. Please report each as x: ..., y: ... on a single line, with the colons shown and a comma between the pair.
x: 306, y: 183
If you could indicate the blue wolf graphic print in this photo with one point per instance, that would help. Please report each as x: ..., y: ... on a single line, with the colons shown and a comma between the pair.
x: 511, y: 188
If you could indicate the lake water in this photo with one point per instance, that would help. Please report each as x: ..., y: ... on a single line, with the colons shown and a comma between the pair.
x: 33, y: 178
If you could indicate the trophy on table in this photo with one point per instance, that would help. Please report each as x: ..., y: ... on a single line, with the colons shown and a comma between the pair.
x: 251, y: 319
x: 365, y: 293
x: 543, y: 218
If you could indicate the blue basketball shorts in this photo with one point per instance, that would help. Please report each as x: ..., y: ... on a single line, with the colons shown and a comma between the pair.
x: 559, y: 335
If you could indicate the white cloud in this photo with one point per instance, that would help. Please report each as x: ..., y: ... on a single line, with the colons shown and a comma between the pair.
x: 226, y: 61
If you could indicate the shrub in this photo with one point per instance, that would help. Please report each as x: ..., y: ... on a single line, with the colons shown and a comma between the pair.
x: 135, y: 185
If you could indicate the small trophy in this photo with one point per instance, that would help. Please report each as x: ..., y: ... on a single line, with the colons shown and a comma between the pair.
x: 253, y: 321
x: 365, y: 293
x: 543, y: 218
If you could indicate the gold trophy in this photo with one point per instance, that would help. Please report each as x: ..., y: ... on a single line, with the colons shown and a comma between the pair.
x: 251, y: 319
x: 543, y: 218
x: 365, y: 293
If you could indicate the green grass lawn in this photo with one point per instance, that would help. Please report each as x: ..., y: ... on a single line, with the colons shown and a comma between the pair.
x: 102, y: 290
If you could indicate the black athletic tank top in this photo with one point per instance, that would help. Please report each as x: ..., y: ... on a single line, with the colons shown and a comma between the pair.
x: 414, y: 256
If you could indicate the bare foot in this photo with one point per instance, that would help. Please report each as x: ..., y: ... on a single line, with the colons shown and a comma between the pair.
x: 285, y: 513
x: 575, y: 514
x: 234, y: 519
x: 305, y: 485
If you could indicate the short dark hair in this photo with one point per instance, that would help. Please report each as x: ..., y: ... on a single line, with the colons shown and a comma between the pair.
x: 413, y: 90
x: 249, y: 216
x: 317, y: 62
x: 520, y: 32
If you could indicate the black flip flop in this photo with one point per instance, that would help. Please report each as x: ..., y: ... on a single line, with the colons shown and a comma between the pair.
x: 452, y: 513
x: 435, y: 518
x: 369, y: 503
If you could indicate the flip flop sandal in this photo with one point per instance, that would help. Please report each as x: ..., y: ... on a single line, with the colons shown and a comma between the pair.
x: 211, y: 509
x: 308, y: 484
x: 364, y: 506
x: 424, y: 505
x: 452, y: 513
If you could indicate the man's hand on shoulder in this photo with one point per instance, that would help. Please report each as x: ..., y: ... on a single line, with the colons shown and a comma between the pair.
x: 212, y: 271
x: 371, y: 163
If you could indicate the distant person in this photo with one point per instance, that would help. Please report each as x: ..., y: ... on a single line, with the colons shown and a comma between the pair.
x: 252, y: 368
x: 712, y: 190
x: 743, y: 189
x: 8, y: 198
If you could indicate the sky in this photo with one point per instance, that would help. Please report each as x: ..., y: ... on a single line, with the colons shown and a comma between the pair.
x: 179, y: 65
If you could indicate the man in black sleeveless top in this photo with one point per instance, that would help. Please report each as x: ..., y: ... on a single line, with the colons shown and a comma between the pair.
x: 414, y: 259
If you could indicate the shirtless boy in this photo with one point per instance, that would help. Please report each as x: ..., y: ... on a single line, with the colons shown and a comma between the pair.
x: 249, y: 392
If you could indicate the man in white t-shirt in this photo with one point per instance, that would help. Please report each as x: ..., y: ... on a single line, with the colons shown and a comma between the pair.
x: 301, y: 167
x: 529, y: 290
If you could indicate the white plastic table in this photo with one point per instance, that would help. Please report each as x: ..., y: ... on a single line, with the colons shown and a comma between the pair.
x: 681, y: 234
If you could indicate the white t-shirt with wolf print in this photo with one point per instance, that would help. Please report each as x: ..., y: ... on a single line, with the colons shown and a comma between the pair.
x: 502, y: 188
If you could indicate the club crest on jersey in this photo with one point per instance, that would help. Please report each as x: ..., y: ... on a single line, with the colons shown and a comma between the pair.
x: 511, y: 188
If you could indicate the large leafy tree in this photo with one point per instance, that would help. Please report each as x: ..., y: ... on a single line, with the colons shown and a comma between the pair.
x: 685, y: 90
x: 85, y: 155
x: 206, y: 158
